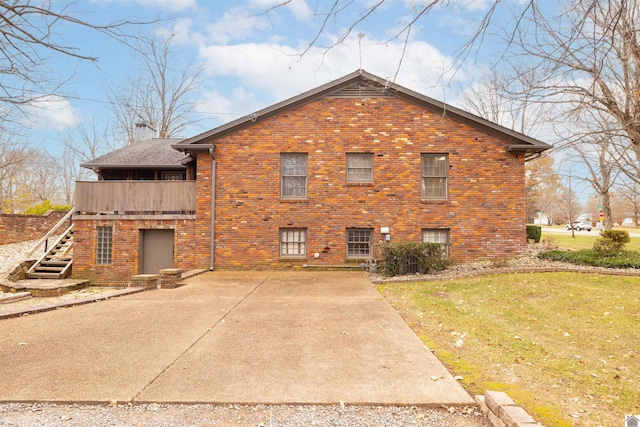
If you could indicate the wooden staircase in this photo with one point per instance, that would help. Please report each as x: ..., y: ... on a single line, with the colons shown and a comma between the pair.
x: 56, y: 262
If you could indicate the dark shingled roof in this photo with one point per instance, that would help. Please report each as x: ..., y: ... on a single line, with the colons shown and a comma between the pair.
x: 154, y: 153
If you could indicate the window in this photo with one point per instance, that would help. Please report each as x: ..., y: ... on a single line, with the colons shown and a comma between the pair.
x: 360, y: 167
x: 293, y: 242
x: 104, y: 245
x: 437, y: 235
x: 293, y: 172
x: 173, y: 175
x: 359, y: 242
x: 435, y: 169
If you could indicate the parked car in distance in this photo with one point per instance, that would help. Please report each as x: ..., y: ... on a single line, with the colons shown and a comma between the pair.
x: 580, y: 225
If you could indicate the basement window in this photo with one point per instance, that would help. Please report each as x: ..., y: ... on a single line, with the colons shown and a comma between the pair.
x: 437, y: 235
x: 104, y: 245
x: 359, y: 241
x: 293, y: 242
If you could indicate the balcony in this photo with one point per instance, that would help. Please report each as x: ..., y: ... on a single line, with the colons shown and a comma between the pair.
x: 135, y: 197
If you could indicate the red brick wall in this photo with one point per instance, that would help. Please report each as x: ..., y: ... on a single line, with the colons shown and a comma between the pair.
x: 485, y: 211
x: 19, y: 228
x: 126, y: 247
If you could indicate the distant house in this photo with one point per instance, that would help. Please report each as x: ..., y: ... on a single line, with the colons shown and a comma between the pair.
x: 631, y: 421
x: 321, y: 179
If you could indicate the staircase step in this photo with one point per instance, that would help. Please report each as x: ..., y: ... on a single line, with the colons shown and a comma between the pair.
x: 54, y: 263
x: 43, y: 269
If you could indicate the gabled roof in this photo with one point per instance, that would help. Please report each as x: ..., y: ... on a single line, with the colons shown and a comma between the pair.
x: 156, y: 153
x: 371, y: 85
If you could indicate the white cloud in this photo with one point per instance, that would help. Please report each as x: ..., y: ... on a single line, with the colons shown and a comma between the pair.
x: 299, y: 8
x: 278, y: 72
x: 227, y: 108
x: 236, y: 24
x: 182, y: 34
x: 51, y: 112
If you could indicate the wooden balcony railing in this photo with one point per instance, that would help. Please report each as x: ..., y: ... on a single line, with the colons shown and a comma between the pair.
x: 135, y: 197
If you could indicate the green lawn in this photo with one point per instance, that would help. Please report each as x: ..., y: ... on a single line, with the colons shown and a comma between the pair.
x: 565, y: 346
x: 585, y: 239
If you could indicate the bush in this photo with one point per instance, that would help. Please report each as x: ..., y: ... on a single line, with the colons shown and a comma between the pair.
x: 611, y: 242
x: 427, y: 258
x: 46, y: 206
x: 534, y: 232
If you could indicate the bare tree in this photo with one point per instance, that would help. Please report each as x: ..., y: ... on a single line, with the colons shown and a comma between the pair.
x: 543, y: 187
x: 508, y: 98
x: 629, y: 193
x: 159, y: 96
x: 590, y: 139
x: 332, y: 11
x: 25, y: 177
x: 569, y: 203
x: 31, y: 36
x: 12, y: 160
x: 81, y: 144
x: 589, y: 55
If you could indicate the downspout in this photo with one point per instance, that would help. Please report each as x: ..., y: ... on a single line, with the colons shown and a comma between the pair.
x: 213, y: 209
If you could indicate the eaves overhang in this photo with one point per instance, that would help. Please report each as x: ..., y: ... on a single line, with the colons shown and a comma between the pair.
x: 94, y: 167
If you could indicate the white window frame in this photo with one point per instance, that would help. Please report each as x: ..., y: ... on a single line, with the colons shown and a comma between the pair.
x: 104, y: 245
x: 434, y: 182
x: 293, y: 243
x: 356, y: 246
x: 360, y: 168
x: 295, y: 174
x: 437, y: 235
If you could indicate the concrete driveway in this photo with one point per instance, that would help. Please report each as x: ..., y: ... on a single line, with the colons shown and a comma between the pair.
x: 227, y: 337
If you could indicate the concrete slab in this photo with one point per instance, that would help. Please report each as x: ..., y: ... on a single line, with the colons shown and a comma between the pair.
x: 241, y: 337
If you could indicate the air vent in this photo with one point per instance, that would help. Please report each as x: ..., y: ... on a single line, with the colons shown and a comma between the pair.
x: 361, y: 90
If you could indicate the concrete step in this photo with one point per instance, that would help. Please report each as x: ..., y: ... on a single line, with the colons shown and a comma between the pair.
x: 52, y: 288
x: 9, y: 297
x: 43, y: 276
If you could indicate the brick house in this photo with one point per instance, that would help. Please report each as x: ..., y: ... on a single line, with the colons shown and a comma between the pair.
x: 320, y: 179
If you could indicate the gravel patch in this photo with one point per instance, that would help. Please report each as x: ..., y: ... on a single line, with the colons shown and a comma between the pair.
x: 14, y: 253
x: 52, y: 415
x: 517, y: 264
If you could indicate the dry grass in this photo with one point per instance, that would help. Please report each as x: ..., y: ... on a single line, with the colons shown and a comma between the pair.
x: 562, y: 345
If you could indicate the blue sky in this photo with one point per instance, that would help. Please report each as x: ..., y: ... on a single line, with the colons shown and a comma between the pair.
x: 252, y: 60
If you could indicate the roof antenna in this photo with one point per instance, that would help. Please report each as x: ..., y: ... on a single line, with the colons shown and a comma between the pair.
x: 360, y: 37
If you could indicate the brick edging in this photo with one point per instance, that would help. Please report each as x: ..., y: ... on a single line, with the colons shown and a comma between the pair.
x: 560, y: 269
x: 503, y: 412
